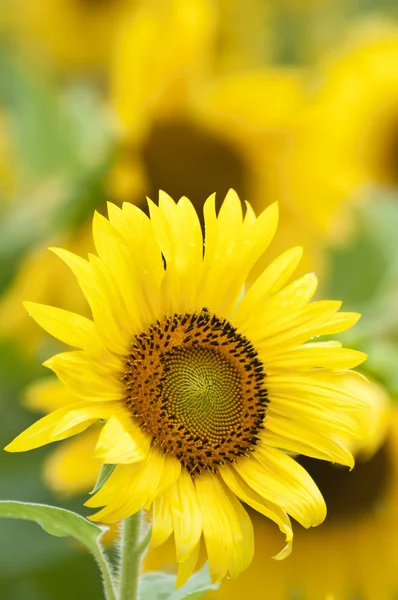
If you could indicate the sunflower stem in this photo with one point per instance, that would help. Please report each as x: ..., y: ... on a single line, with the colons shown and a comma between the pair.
x: 106, y: 571
x: 130, y: 557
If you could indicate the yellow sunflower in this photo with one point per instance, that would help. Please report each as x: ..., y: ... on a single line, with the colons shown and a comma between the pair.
x: 205, y: 388
x: 350, y: 128
x: 354, y: 554
x: 69, y: 35
x: 243, y: 37
x: 188, y: 131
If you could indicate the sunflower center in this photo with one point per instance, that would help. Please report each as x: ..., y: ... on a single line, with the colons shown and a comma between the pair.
x: 384, y: 161
x: 197, y: 387
x: 186, y: 160
x: 351, y: 493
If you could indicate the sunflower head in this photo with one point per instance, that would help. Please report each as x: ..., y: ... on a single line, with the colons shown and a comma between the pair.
x: 203, y: 389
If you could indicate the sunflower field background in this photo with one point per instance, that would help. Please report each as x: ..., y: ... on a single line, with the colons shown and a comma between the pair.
x: 294, y: 101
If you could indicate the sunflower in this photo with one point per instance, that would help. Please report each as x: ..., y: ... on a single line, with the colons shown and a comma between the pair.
x: 190, y: 131
x: 69, y: 35
x: 354, y: 554
x: 205, y: 390
x: 243, y: 35
x: 350, y: 127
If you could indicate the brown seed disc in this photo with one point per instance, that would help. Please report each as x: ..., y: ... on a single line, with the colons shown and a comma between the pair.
x: 196, y: 386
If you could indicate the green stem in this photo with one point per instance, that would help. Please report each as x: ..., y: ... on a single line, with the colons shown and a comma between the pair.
x: 107, y: 579
x: 130, y: 557
x: 144, y: 541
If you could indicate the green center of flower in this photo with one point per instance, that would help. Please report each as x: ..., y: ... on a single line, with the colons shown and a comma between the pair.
x: 203, y: 389
x: 197, y: 387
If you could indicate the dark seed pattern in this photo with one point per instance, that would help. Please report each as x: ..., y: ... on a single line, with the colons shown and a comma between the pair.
x: 196, y: 386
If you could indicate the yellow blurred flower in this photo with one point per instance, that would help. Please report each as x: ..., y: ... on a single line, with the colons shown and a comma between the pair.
x: 243, y: 35
x: 8, y: 161
x: 349, y: 136
x: 40, y: 278
x: 69, y: 35
x: 189, y: 132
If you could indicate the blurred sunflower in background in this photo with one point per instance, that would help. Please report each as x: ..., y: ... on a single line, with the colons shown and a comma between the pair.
x: 349, y: 132
x: 68, y: 36
x: 191, y: 135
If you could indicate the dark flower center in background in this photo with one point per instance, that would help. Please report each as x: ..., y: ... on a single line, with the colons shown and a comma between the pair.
x: 383, y: 146
x: 196, y: 386
x: 351, y: 493
x: 185, y: 160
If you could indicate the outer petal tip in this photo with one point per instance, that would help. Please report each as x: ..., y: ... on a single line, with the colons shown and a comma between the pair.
x: 9, y: 447
x: 285, y: 552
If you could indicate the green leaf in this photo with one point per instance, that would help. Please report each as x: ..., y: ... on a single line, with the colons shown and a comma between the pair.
x: 162, y: 586
x: 105, y: 473
x: 64, y: 523
x: 54, y: 520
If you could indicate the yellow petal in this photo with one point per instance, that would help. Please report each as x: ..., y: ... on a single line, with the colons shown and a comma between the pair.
x: 187, y: 567
x: 302, y: 437
x: 179, y: 235
x: 85, y: 378
x: 269, y: 282
x: 243, y: 550
x: 115, y: 215
x: 315, y: 357
x: 129, y: 488
x: 291, y: 328
x: 162, y: 521
x: 171, y: 472
x: 70, y: 328
x: 226, y: 530
x: 319, y: 417
x: 187, y: 518
x: 236, y: 247
x: 122, y: 442
x: 341, y: 321
x: 58, y: 425
x: 279, y: 478
x: 104, y: 313
x: 81, y: 411
x: 321, y: 386
x: 113, y: 252
x: 245, y: 493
